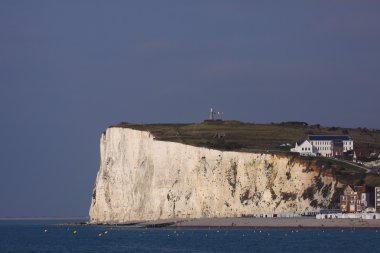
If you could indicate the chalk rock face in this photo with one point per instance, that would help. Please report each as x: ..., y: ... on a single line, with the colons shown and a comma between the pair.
x: 141, y: 178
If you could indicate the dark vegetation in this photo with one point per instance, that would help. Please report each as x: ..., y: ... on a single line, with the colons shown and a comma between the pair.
x: 334, y: 203
x: 314, y: 203
x: 245, y: 197
x: 326, y: 190
x: 318, y: 183
x: 309, y: 193
x: 288, y: 196
x: 274, y: 195
x: 231, y: 177
x: 347, y: 173
x: 94, y: 196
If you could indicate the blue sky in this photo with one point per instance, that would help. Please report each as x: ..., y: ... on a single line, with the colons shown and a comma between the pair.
x: 69, y: 69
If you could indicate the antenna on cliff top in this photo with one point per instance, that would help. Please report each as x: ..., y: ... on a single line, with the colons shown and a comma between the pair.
x: 220, y: 115
x: 212, y: 113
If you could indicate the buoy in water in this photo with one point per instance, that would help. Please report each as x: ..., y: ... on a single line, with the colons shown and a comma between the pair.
x: 105, y: 232
x: 45, y: 230
x: 74, y: 232
x: 100, y: 234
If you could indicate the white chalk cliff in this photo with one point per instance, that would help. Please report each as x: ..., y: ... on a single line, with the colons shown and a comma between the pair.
x: 141, y: 178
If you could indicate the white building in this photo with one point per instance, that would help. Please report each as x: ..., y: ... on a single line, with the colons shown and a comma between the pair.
x: 305, y: 148
x: 323, y: 147
x: 326, y: 145
x: 332, y: 145
x: 377, y: 199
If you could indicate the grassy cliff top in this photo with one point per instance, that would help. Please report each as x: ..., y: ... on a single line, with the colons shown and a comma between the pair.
x: 238, y: 135
x: 248, y: 137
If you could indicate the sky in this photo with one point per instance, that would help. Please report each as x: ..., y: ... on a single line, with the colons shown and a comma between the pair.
x: 70, y: 69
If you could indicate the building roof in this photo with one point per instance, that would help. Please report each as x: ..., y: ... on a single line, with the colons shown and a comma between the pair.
x: 299, y: 143
x: 330, y: 138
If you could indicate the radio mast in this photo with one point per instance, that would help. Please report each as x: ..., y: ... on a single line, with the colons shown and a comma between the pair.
x: 212, y: 113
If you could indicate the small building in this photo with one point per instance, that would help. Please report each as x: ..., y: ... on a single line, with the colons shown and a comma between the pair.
x: 363, y: 198
x: 377, y: 199
x: 348, y: 201
x: 354, y: 199
x: 305, y: 148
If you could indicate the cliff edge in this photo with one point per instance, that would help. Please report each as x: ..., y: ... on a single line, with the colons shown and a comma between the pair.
x: 141, y: 178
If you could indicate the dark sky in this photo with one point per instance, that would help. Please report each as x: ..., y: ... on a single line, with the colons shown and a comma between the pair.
x: 69, y: 69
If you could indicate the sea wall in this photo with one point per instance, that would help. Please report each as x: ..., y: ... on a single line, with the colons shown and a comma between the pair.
x: 141, y: 178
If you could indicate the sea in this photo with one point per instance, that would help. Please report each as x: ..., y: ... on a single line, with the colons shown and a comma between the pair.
x: 49, y: 236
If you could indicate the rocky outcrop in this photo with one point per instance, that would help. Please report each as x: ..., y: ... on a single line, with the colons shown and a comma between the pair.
x: 141, y: 178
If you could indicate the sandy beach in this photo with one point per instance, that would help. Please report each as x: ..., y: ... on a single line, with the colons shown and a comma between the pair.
x: 301, y: 222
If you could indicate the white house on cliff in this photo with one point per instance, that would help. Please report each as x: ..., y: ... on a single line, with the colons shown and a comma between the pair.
x: 325, y: 145
x: 305, y: 148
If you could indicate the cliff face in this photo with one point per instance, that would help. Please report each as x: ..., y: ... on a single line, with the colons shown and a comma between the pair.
x: 144, y: 179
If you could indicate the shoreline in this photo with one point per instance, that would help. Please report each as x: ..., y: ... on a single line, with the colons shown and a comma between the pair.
x: 43, y: 218
x: 299, y: 222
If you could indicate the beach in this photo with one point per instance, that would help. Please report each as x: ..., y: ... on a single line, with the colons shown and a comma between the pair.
x: 300, y: 222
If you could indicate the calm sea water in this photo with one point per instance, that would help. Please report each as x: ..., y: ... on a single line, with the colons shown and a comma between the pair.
x: 28, y: 236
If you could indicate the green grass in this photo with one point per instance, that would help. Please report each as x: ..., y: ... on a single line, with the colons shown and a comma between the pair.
x: 251, y: 136
x: 247, y: 137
